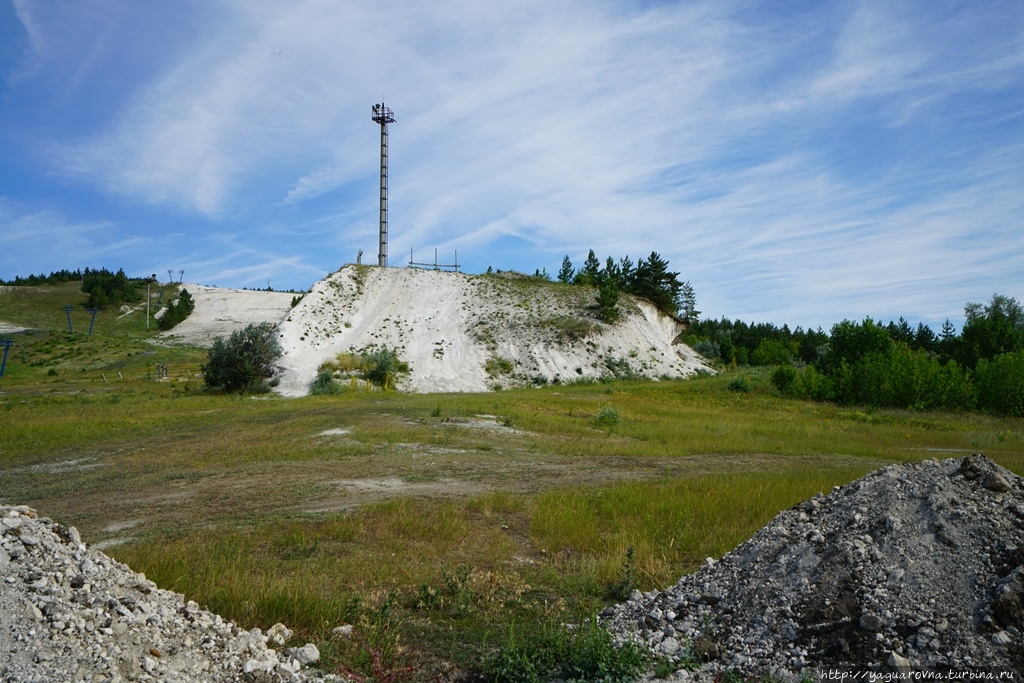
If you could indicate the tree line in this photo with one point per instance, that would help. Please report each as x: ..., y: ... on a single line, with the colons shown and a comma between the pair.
x: 888, y: 365
x: 57, y: 277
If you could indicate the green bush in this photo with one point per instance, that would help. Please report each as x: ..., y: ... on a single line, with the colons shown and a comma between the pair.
x: 324, y: 384
x: 783, y: 378
x: 584, y: 653
x: 771, y: 352
x: 496, y: 366
x: 1000, y: 384
x: 739, y: 384
x: 620, y: 589
x: 902, y: 378
x: 708, y: 348
x: 382, y: 368
x: 606, y: 417
x: 243, y: 362
x: 813, y: 385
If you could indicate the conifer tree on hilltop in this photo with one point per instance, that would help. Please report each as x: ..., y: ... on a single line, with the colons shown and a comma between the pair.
x: 649, y: 279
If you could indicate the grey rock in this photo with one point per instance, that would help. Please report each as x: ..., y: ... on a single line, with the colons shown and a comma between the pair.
x: 996, y: 482
x: 305, y: 655
x: 871, y: 622
x: 913, y: 563
x: 899, y: 663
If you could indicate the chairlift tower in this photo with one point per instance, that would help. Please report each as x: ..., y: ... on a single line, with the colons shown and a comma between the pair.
x: 383, y: 116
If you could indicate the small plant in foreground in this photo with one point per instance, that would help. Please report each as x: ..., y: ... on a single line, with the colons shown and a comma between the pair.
x: 583, y: 653
x: 606, y: 417
x: 620, y: 589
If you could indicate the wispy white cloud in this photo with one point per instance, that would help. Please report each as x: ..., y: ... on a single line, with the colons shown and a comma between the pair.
x: 46, y: 240
x: 792, y: 164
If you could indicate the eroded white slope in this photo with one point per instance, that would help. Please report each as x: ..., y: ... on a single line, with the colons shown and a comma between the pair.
x: 447, y: 326
x: 220, y: 311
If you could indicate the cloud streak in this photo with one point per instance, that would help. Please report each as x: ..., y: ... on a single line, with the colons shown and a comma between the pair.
x: 802, y: 164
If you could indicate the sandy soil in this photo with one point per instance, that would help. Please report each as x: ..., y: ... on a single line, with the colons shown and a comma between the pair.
x: 447, y: 326
x: 219, y: 312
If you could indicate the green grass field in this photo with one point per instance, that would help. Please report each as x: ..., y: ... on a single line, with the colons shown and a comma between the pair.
x: 432, y: 522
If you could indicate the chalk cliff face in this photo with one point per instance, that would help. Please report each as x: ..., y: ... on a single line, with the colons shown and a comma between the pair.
x: 462, y: 332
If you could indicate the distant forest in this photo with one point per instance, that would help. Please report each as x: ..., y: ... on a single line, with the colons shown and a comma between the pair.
x: 104, y: 287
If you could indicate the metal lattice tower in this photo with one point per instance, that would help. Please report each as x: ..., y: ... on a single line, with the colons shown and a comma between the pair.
x: 383, y: 116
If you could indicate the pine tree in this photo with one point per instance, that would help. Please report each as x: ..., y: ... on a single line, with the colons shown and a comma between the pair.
x: 654, y: 282
x: 627, y: 271
x: 608, y: 301
x: 590, y: 273
x: 567, y: 272
x: 688, y: 303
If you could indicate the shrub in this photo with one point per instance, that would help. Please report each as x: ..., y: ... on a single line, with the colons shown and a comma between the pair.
x: 783, y: 377
x: 902, y: 378
x: 813, y: 385
x: 606, y: 417
x: 770, y: 352
x: 382, y: 367
x: 739, y: 384
x: 1000, y: 384
x: 620, y: 589
x: 570, y: 328
x: 584, y: 653
x: 324, y: 384
x: 496, y: 365
x: 244, y: 361
x: 708, y: 348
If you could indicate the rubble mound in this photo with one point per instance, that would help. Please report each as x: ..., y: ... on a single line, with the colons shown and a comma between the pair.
x: 70, y: 613
x: 912, y: 567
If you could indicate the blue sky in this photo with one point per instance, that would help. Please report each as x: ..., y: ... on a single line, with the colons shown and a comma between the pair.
x: 797, y: 162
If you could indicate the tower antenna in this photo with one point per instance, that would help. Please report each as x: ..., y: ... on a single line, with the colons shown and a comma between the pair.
x: 383, y: 116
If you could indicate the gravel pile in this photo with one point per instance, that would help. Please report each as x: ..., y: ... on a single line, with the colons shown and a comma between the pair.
x: 914, y: 566
x: 70, y: 613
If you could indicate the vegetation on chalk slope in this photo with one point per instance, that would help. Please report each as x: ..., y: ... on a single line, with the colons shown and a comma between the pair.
x: 177, y: 310
x: 649, y: 279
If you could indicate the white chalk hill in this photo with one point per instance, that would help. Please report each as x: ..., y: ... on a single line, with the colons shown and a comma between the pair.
x: 462, y: 332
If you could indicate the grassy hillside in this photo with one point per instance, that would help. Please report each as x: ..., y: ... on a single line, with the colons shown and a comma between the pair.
x: 434, y: 523
x: 49, y: 358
